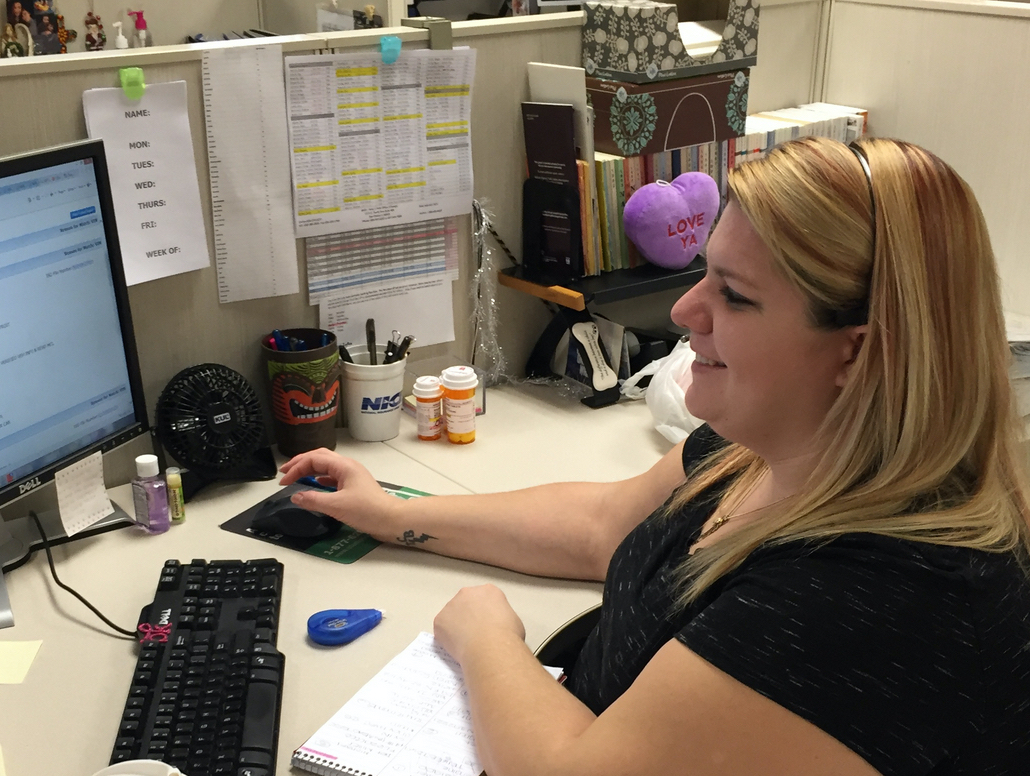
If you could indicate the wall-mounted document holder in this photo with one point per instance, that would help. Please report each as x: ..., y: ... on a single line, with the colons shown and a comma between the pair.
x: 440, y: 38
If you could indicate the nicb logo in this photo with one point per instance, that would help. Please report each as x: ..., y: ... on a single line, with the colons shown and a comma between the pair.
x: 379, y: 404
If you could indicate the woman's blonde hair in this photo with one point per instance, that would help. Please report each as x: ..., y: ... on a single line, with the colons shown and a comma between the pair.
x: 923, y: 441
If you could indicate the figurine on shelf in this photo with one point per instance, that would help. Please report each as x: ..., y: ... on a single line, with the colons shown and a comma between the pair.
x: 367, y: 18
x: 64, y: 35
x: 9, y: 45
x: 96, y: 38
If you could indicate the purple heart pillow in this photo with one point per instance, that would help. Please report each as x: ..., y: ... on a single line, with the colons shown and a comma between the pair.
x: 669, y: 222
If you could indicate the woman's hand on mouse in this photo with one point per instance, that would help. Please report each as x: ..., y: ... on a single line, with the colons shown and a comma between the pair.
x: 359, y: 501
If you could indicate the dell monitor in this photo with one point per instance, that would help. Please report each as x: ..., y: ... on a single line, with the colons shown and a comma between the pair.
x: 69, y: 374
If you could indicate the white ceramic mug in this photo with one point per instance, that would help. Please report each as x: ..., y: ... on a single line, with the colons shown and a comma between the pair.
x: 372, y: 395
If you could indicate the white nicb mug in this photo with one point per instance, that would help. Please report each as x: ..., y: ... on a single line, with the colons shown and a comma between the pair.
x: 140, y: 768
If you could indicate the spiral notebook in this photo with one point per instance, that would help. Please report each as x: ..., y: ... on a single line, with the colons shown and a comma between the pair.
x: 410, y: 718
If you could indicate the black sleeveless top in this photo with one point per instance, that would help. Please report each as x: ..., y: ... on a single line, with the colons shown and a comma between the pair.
x: 915, y: 656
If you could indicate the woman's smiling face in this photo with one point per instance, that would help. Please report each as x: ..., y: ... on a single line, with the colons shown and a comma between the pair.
x: 764, y: 375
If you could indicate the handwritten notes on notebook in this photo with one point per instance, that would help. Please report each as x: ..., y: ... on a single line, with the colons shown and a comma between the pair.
x: 411, y: 718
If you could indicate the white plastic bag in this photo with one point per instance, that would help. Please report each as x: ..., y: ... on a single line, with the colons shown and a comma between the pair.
x: 664, y: 395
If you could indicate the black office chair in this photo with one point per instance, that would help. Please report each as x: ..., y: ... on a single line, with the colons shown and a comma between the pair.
x: 562, y: 647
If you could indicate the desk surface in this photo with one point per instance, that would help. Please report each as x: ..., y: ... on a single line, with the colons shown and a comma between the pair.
x: 62, y: 719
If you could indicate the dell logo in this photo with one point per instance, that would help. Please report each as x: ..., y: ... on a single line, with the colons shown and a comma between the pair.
x: 380, y: 403
x: 165, y: 617
x: 222, y: 417
x: 25, y: 487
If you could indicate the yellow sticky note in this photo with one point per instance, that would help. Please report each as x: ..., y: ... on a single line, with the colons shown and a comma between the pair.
x: 15, y: 659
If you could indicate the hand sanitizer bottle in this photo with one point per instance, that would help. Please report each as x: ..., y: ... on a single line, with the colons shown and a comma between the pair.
x: 150, y: 496
x: 120, y: 41
x: 140, y: 38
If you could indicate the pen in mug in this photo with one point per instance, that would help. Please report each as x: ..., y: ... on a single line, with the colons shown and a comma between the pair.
x: 370, y: 339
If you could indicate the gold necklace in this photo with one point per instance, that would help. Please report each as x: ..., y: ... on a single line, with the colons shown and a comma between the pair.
x: 721, y: 520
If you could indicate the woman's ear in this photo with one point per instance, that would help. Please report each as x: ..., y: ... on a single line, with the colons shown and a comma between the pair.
x: 854, y: 336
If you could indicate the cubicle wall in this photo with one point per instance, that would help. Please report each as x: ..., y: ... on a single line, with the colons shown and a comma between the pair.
x: 179, y: 321
x: 951, y: 77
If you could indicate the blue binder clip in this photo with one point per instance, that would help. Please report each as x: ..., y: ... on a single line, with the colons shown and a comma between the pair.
x: 390, y: 47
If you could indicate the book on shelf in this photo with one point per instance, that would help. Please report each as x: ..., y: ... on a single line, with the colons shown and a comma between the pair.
x: 550, y: 133
x: 586, y: 199
x: 602, y: 210
x: 857, y: 118
x: 552, y: 238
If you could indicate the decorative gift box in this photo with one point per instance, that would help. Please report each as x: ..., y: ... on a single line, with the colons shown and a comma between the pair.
x: 639, y: 119
x: 640, y: 42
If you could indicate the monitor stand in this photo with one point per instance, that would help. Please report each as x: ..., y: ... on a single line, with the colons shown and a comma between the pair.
x: 20, y: 536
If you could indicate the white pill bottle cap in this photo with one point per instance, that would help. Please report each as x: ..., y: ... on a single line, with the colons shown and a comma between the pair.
x: 460, y: 378
x: 427, y: 387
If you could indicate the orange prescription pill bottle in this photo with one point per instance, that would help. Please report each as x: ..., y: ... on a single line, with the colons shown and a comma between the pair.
x: 459, y: 403
x: 428, y: 395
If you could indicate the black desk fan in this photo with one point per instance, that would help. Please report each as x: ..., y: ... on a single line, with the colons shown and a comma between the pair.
x: 209, y: 419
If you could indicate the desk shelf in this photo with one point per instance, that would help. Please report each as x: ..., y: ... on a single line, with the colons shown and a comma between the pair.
x: 607, y: 287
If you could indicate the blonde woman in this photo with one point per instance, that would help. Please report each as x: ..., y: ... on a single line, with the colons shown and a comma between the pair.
x: 827, y: 578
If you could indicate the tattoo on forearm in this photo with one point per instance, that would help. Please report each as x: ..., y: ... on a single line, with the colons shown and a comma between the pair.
x: 411, y: 540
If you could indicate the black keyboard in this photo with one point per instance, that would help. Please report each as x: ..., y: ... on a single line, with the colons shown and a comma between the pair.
x: 207, y: 686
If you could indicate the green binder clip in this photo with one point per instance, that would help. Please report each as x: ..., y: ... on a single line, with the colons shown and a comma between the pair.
x: 390, y: 47
x: 132, y: 82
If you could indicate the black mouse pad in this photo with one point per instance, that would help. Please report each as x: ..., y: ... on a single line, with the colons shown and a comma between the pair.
x: 345, y: 545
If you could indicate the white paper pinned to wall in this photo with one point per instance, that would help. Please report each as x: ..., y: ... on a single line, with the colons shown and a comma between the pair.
x: 153, y: 173
x: 248, y: 157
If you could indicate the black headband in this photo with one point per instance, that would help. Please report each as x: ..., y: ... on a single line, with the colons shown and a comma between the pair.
x: 859, y: 314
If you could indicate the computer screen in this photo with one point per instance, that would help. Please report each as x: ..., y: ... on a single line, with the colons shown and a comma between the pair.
x: 69, y: 374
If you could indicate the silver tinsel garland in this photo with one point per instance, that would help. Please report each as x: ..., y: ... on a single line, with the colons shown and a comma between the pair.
x: 487, y: 353
x: 486, y: 346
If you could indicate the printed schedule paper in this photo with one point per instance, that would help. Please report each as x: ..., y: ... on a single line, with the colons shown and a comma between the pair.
x: 411, y: 718
x: 244, y: 105
x: 376, y: 145
x: 153, y: 174
x: 343, y: 261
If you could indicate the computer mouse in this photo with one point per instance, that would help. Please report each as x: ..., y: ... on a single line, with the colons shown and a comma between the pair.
x: 286, y: 518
